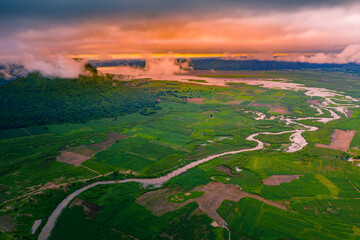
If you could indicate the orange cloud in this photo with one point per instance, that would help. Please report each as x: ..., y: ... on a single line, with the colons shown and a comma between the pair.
x: 305, y: 30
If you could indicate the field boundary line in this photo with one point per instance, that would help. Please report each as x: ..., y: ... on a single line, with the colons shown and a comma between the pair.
x: 351, y: 183
x: 286, y: 191
x: 91, y: 170
x: 29, y: 134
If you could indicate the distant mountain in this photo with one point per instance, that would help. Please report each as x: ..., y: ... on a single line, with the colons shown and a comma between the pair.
x: 254, y: 65
x: 257, y: 65
x: 118, y: 62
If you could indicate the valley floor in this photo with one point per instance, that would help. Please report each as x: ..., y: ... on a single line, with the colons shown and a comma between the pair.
x: 180, y: 148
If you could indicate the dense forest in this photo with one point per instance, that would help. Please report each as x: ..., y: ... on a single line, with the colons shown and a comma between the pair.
x: 36, y: 100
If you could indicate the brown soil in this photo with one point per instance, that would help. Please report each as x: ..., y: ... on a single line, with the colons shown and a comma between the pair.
x: 71, y: 158
x: 227, y: 170
x: 111, y: 139
x: 278, y: 179
x: 84, y: 150
x: 278, y: 109
x: 348, y: 113
x: 273, y: 108
x: 234, y: 102
x: 7, y: 224
x: 316, y: 102
x: 260, y: 105
x: 157, y: 202
x: 90, y: 209
x: 216, y: 193
x: 226, y: 92
x: 340, y: 140
x: 196, y: 100
x: 77, y: 155
x: 260, y: 90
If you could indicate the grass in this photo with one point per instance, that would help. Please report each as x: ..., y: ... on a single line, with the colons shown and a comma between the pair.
x: 117, y: 161
x: 274, y: 193
x: 247, y: 179
x: 306, y: 186
x: 160, y: 143
x: 276, y: 141
x: 135, y: 153
x: 339, y: 210
x: 236, y: 76
x: 175, y: 135
x: 197, y: 80
x: 121, y: 217
x: 23, y: 132
x: 327, y: 183
x: 190, y: 179
x: 250, y: 218
x: 183, y: 197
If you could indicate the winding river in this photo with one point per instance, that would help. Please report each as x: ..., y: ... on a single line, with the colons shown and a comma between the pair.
x: 297, y: 141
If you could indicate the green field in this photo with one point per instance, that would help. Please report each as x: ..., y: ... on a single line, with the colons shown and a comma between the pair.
x: 253, y: 219
x: 247, y: 179
x: 322, y: 203
x: 121, y: 217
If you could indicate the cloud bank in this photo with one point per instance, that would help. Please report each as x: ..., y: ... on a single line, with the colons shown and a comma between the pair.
x: 105, y: 29
x: 154, y: 68
x: 93, y: 29
x: 350, y: 54
x: 55, y: 66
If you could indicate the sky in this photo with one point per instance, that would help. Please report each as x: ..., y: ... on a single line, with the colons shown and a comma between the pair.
x: 99, y: 29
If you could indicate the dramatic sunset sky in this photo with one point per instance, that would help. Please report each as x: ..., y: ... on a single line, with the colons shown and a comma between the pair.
x: 131, y: 28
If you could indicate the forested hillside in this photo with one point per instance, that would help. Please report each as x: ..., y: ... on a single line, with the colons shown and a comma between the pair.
x: 36, y: 100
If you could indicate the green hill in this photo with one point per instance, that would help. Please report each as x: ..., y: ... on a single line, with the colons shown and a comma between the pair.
x: 37, y: 100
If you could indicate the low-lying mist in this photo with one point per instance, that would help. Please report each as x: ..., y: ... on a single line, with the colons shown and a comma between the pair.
x: 350, y: 54
x: 54, y: 66
x: 63, y: 66
x: 154, y: 68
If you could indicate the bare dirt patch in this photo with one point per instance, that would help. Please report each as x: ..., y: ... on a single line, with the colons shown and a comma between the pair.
x: 111, y: 139
x: 77, y: 155
x: 279, y: 109
x: 7, y: 223
x: 348, y: 113
x: 196, y: 100
x: 227, y: 170
x: 273, y: 108
x: 260, y: 90
x: 71, y: 158
x: 278, y: 179
x: 84, y: 150
x: 260, y: 105
x: 90, y: 209
x: 216, y: 193
x: 234, y: 102
x: 316, y: 102
x: 340, y: 140
x: 157, y: 202
x: 214, y: 224
x: 225, y: 93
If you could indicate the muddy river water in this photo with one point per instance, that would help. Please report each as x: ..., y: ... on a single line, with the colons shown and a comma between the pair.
x: 297, y: 140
